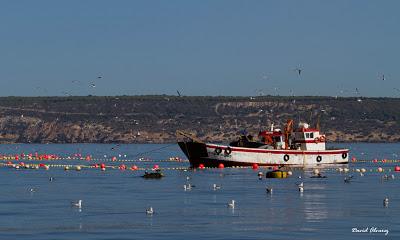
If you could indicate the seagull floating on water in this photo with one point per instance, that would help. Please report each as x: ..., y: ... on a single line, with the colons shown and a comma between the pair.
x: 77, y: 204
x: 348, y: 179
x: 216, y: 187
x: 269, y: 189
x: 187, y: 187
x: 231, y: 204
x: 386, y: 201
x: 301, y: 189
x: 32, y: 190
x: 149, y: 211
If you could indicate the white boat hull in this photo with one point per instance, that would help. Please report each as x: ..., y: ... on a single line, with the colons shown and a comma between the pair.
x: 214, y: 154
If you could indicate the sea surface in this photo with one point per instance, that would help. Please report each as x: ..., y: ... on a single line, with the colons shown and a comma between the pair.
x: 115, y: 201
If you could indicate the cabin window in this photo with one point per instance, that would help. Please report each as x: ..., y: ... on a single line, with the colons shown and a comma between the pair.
x: 311, y: 135
x: 307, y: 135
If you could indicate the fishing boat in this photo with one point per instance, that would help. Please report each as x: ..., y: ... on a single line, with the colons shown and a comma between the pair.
x: 301, y: 146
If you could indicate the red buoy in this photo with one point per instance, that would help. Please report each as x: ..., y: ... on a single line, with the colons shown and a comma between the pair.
x: 375, y: 160
x: 102, y: 165
x: 255, y: 166
x: 353, y: 159
x: 201, y: 166
x: 397, y: 168
x: 134, y: 168
x: 221, y: 165
x: 156, y: 167
x: 274, y: 168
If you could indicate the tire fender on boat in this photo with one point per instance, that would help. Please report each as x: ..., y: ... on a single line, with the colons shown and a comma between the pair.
x: 319, y: 158
x: 228, y: 151
x: 344, y: 155
x: 218, y: 150
x: 286, y: 158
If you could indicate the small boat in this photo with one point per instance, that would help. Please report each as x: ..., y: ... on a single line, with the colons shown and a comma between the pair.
x: 302, y: 146
x: 156, y: 174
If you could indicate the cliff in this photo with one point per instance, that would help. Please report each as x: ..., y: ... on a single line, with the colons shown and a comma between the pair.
x: 142, y: 119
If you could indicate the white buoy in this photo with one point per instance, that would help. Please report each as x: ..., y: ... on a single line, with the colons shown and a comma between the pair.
x: 289, y: 173
x: 363, y: 170
x: 358, y: 170
x: 231, y: 204
x: 316, y: 171
x: 78, y: 168
x: 346, y: 169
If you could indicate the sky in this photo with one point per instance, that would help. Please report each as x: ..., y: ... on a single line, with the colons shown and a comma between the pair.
x: 215, y: 47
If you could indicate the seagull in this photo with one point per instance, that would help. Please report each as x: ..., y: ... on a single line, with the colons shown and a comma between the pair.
x: 300, y: 184
x: 269, y: 190
x: 298, y: 70
x: 216, y: 187
x: 187, y: 187
x: 348, y: 179
x: 93, y: 85
x: 77, y: 204
x: 149, y: 211
x: 179, y: 94
x: 386, y: 201
x: 301, y: 189
x: 231, y: 204
x: 32, y: 190
x: 100, y: 77
x: 51, y: 179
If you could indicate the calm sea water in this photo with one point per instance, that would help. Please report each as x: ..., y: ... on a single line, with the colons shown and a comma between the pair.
x: 114, y: 202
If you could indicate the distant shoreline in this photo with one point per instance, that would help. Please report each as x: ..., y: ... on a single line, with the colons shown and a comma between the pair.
x: 155, y: 118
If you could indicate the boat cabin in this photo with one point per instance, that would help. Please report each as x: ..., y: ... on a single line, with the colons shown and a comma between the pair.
x: 306, y: 138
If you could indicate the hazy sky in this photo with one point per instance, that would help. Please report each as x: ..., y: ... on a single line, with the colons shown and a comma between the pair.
x: 199, y: 47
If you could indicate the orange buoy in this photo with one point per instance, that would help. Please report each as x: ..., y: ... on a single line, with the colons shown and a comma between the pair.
x: 397, y: 168
x: 221, y: 165
x: 255, y: 166
x: 383, y: 160
x: 88, y: 158
x: 201, y: 166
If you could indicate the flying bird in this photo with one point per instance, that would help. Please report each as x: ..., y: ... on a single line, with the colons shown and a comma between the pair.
x: 179, y: 94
